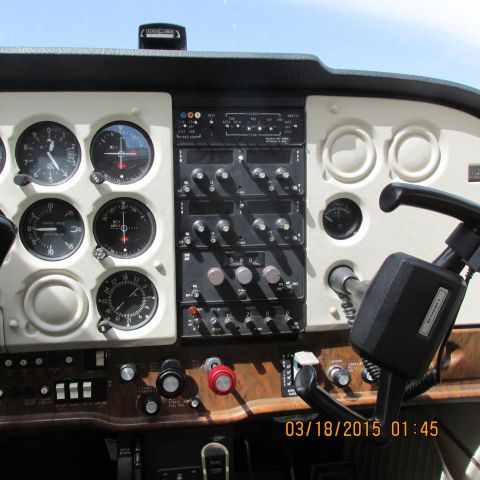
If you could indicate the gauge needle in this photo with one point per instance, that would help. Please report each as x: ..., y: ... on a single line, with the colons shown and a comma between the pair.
x: 124, y: 228
x: 46, y: 229
x: 328, y: 218
x: 54, y: 162
x: 120, y: 306
x: 134, y: 292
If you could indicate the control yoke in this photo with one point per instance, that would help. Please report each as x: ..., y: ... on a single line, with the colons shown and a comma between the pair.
x: 7, y: 236
x: 410, y: 306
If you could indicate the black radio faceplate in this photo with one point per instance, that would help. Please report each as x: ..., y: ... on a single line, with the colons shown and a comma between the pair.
x: 240, y: 221
x: 240, y: 171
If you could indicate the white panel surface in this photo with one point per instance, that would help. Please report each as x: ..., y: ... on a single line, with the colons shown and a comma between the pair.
x: 84, y: 114
x: 412, y: 141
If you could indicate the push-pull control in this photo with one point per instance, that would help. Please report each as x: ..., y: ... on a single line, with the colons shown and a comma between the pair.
x: 171, y: 378
x: 221, y: 379
x: 259, y: 225
x: 339, y: 376
x: 199, y: 226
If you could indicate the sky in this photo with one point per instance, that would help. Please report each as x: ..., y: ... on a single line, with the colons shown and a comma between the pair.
x: 433, y: 38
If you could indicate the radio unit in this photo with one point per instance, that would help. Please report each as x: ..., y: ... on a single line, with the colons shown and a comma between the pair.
x: 240, y: 221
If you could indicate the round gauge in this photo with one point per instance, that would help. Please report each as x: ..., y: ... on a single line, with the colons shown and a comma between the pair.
x: 48, y: 153
x: 127, y: 300
x: 3, y: 155
x: 51, y: 229
x: 121, y: 153
x: 124, y: 228
x: 342, y: 218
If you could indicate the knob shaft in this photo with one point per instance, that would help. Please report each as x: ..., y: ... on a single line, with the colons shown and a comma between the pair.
x: 339, y: 376
x: 243, y: 275
x: 216, y: 276
x: 171, y: 379
x: 222, y: 380
x: 128, y: 372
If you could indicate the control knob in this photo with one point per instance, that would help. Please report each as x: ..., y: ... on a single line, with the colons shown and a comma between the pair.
x: 223, y: 226
x: 216, y: 276
x: 282, y: 224
x: 150, y: 405
x: 271, y: 274
x: 282, y: 173
x: 171, y: 379
x: 222, y: 380
x: 259, y: 225
x: 128, y: 372
x: 259, y: 173
x: 243, y: 275
x: 339, y: 376
x: 199, y: 226
x: 198, y: 175
x: 222, y: 174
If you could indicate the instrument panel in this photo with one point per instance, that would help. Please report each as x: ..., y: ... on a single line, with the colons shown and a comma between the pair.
x: 206, y: 232
x: 144, y: 222
x: 87, y: 179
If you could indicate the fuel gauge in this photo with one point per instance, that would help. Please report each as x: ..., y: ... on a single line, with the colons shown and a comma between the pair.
x: 342, y: 218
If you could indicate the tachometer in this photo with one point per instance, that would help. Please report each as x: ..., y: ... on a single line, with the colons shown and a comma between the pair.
x: 127, y: 300
x: 121, y: 153
x: 48, y: 153
x: 124, y: 227
x: 51, y: 229
x: 2, y: 155
x: 342, y: 218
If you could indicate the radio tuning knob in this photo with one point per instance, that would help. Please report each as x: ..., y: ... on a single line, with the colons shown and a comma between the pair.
x: 198, y: 175
x: 259, y: 225
x: 216, y: 276
x: 271, y: 274
x: 282, y: 224
x: 259, y: 173
x: 243, y: 275
x: 199, y: 226
x: 282, y: 173
x: 222, y: 174
x: 223, y: 226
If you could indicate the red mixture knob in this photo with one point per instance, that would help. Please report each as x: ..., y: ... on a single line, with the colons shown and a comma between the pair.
x: 222, y: 380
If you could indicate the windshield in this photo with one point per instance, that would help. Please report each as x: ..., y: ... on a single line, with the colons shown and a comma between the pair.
x: 432, y: 38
